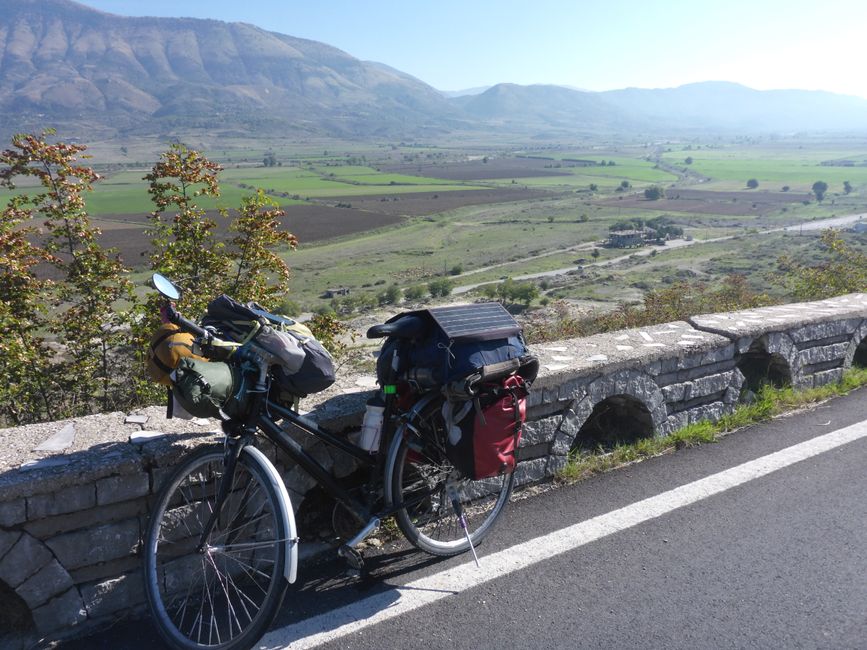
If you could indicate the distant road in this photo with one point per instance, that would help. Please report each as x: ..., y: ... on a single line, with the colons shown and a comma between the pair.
x: 818, y: 224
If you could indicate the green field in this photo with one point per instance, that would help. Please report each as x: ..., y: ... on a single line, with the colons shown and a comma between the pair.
x: 729, y: 167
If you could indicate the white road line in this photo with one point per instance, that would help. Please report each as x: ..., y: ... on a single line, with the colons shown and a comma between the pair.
x: 381, y: 607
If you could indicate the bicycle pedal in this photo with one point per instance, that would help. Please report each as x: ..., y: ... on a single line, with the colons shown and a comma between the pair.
x: 353, y: 557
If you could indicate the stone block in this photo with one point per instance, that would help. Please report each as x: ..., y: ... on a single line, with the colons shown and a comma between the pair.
x: 71, y: 499
x: 826, y: 330
x: 530, y: 452
x: 52, y: 526
x: 710, y: 412
x: 544, y: 410
x: 106, y: 570
x: 540, y: 431
x: 573, y: 389
x: 827, y: 377
x: 114, y: 489
x: 25, y: 558
x: 13, y: 512
x: 98, y: 544
x: 562, y: 443
x: 297, y: 480
x: 113, y: 595
x: 60, y: 613
x: 677, y: 421
x: 556, y: 464
x: 531, y: 471
x: 8, y: 538
x: 45, y: 584
x: 823, y: 354
x: 711, y: 384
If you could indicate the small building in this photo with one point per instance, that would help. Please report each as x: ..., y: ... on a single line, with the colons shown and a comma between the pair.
x: 626, y: 239
x: 334, y: 293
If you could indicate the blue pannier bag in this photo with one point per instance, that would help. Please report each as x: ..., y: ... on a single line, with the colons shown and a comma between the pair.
x: 455, y: 342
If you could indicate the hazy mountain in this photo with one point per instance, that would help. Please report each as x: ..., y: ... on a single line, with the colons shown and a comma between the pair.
x: 543, y: 105
x: 730, y: 106
x: 478, y: 90
x: 66, y: 65
x: 67, y: 61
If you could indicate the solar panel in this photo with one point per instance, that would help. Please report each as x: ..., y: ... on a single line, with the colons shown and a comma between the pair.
x: 481, y: 321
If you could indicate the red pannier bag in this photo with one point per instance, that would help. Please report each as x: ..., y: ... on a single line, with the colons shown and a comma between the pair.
x: 489, y: 439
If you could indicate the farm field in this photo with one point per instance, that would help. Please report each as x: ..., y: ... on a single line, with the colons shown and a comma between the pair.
x: 795, y: 165
x: 368, y: 216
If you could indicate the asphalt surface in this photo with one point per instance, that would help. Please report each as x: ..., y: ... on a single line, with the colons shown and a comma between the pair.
x: 780, y: 561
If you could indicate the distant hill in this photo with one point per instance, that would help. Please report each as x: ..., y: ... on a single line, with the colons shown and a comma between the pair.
x: 86, y: 71
x: 62, y: 60
x: 551, y: 106
x: 729, y: 106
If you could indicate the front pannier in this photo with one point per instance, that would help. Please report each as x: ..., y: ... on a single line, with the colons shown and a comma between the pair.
x: 204, y: 388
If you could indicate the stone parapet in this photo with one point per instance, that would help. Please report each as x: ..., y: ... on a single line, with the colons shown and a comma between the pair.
x: 75, y: 495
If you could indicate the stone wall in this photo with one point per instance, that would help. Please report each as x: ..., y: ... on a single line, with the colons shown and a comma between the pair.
x: 74, y: 495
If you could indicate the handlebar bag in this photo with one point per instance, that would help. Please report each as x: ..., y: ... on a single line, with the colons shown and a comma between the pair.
x: 305, y: 366
x: 203, y: 388
x: 483, y: 443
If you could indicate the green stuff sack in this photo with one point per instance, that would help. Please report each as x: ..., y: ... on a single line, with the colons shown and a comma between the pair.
x: 204, y: 387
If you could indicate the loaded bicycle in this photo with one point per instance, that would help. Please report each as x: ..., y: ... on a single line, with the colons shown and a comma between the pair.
x: 438, y: 446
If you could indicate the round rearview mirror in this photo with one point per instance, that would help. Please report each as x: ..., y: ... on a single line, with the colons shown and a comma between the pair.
x: 166, y: 287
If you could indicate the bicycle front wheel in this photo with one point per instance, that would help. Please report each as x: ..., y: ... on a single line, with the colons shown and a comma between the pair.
x: 225, y: 594
x: 421, y: 482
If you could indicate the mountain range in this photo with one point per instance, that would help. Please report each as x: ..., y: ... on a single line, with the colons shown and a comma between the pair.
x: 65, y: 64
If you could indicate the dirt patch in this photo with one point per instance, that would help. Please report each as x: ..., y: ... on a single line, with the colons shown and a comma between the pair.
x: 480, y: 170
x: 421, y: 203
x: 309, y: 223
x: 707, y: 202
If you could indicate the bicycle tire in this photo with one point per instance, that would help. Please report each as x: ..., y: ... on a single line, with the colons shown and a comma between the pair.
x: 225, y: 596
x: 417, y: 476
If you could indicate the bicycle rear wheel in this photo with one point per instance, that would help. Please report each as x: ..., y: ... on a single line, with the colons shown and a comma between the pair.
x: 420, y: 479
x: 225, y: 595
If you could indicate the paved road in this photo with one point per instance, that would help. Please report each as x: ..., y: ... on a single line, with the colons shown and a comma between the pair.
x: 757, y: 541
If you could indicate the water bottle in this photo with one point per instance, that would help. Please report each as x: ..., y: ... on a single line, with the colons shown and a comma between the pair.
x: 371, y: 427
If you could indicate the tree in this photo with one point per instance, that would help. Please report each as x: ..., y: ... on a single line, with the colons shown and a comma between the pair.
x: 786, y: 188
x: 819, y: 189
x: 91, y: 280
x: 24, y: 391
x: 414, y: 293
x: 440, y: 287
x: 654, y: 193
x: 391, y: 296
x: 625, y: 185
x: 594, y: 187
x: 594, y: 253
x: 184, y: 246
x: 260, y: 274
x: 688, y: 160
x: 847, y: 187
x: 752, y: 183
x: 843, y: 270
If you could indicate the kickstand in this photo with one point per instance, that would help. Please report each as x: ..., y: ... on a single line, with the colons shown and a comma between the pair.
x: 459, y: 511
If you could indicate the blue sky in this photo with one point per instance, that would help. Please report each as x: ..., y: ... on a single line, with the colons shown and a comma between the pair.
x: 597, y: 45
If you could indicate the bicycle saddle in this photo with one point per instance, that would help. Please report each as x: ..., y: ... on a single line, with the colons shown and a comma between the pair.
x: 406, y: 327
